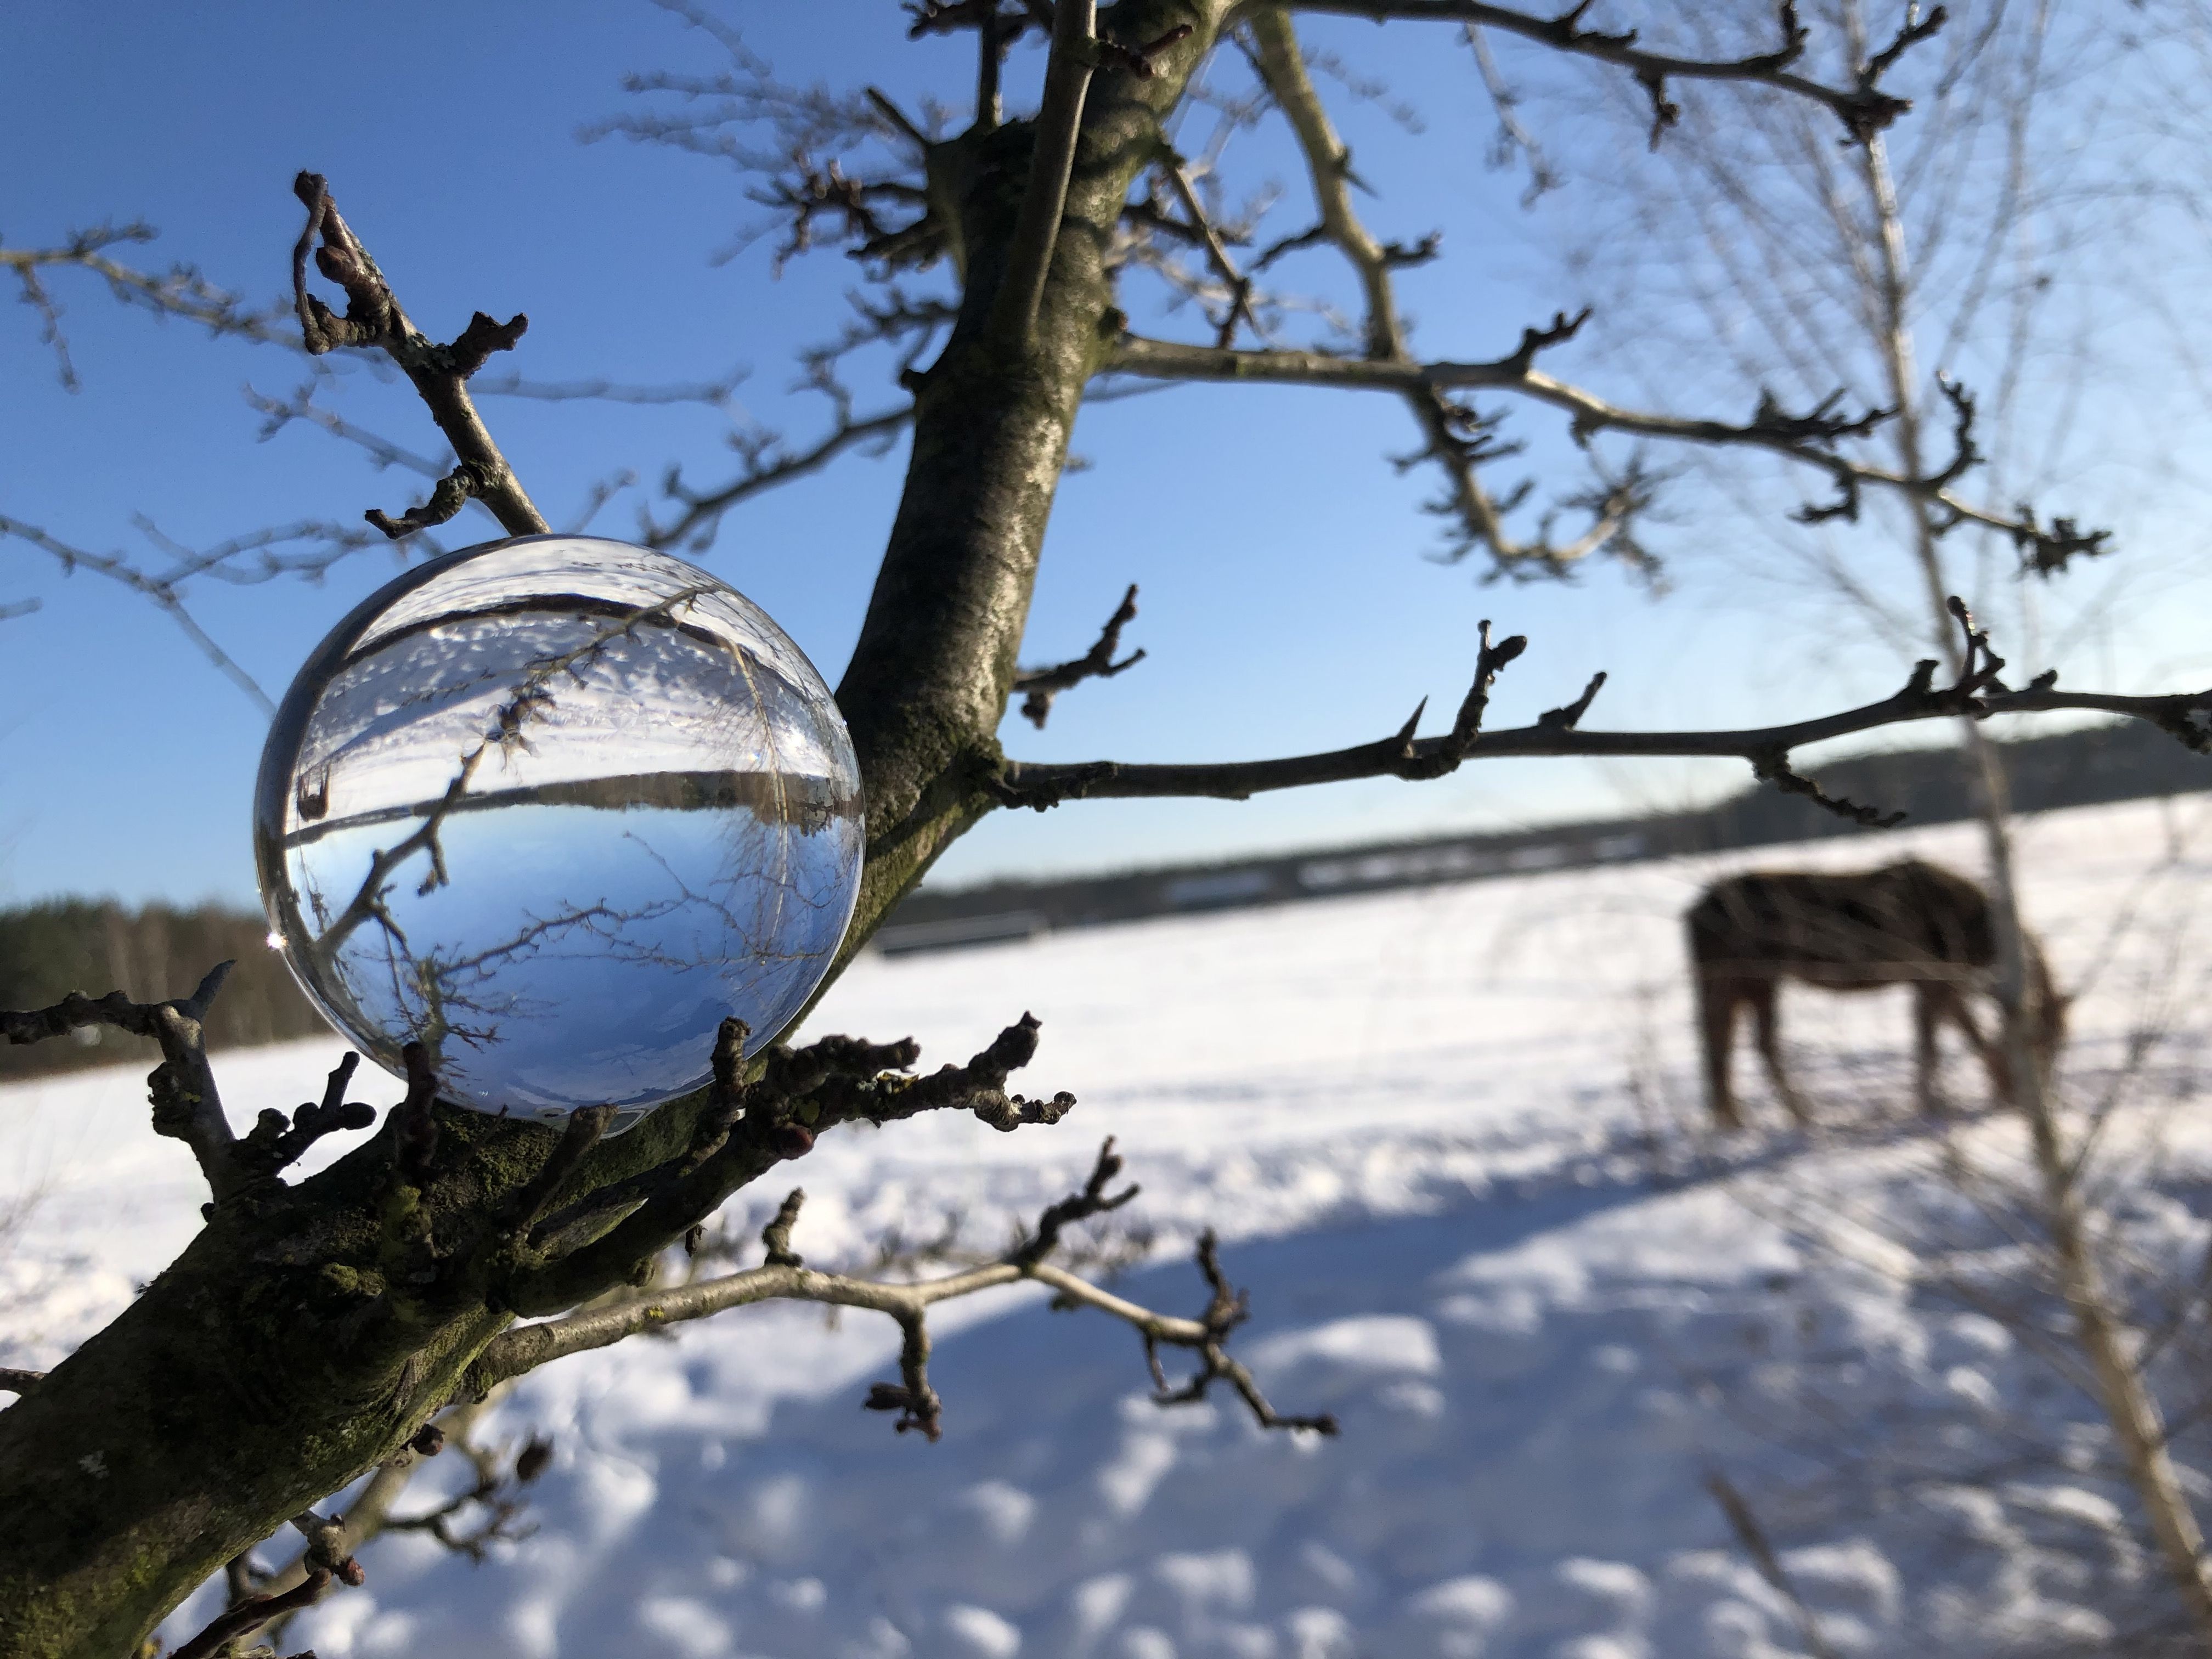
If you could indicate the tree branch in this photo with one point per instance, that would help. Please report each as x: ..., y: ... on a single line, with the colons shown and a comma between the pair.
x: 1051, y: 157
x: 182, y: 292
x: 1807, y: 438
x: 1457, y: 437
x: 703, y: 510
x: 272, y: 1143
x: 1862, y: 106
x: 182, y: 1087
x: 1039, y: 686
x: 749, y: 1127
x: 439, y: 375
x: 326, y: 1560
x: 162, y: 591
x: 1978, y: 694
x: 278, y: 413
x: 785, y: 1278
x: 1239, y: 308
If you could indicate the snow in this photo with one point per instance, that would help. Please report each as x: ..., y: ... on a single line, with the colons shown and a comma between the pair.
x: 1452, y: 1141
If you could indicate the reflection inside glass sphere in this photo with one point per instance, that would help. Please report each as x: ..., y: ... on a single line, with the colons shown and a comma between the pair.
x: 554, y: 808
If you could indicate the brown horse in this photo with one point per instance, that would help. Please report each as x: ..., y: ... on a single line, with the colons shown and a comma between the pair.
x: 1904, y: 924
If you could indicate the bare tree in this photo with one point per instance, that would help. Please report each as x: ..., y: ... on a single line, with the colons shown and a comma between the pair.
x: 1957, y: 255
x: 311, y: 1329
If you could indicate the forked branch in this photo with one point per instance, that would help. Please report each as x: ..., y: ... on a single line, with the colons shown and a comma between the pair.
x: 1455, y: 436
x: 1809, y: 438
x: 1039, y: 686
x: 182, y: 1087
x: 1862, y: 106
x: 785, y: 1278
x: 325, y: 1561
x: 748, y: 1126
x: 440, y: 373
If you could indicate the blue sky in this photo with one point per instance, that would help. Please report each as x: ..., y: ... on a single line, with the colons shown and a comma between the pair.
x: 1286, y: 604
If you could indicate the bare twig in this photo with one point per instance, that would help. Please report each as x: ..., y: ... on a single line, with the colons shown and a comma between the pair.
x: 1749, y: 1534
x: 272, y: 1143
x: 280, y: 412
x: 716, y: 394
x: 250, y: 1614
x: 1807, y: 438
x: 1862, y: 106
x: 440, y: 373
x: 748, y: 1128
x: 181, y: 1088
x: 703, y: 509
x: 1454, y: 435
x: 1039, y: 686
x: 912, y: 1397
x: 1217, y: 254
x: 1228, y: 1309
x: 775, y: 1237
x: 180, y: 292
x: 326, y: 1560
x: 162, y: 591
x: 1513, y: 136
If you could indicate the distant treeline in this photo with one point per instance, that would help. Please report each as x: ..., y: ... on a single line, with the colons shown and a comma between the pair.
x: 49, y: 950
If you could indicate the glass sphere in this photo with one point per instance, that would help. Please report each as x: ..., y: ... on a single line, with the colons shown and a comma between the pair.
x: 554, y: 807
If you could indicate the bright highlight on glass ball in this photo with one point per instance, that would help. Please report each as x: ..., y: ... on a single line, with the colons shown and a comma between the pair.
x: 554, y: 807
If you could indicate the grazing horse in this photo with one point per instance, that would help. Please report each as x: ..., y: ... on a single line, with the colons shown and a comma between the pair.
x: 1904, y: 924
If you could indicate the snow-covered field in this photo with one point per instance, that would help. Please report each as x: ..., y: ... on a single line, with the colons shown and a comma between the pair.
x: 1452, y: 1140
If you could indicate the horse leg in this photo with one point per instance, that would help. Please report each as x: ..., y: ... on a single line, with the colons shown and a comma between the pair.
x: 1768, y: 1028
x: 1990, y: 1048
x: 1718, y: 1000
x: 1928, y: 1010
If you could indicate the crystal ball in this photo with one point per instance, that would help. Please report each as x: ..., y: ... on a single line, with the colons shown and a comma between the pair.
x: 553, y: 807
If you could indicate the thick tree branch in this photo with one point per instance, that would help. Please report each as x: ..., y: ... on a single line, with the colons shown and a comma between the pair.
x: 1039, y: 686
x: 440, y: 373
x: 785, y: 1278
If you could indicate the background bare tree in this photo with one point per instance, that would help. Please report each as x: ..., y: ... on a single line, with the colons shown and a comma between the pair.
x: 1964, y: 248
x: 312, y: 1328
